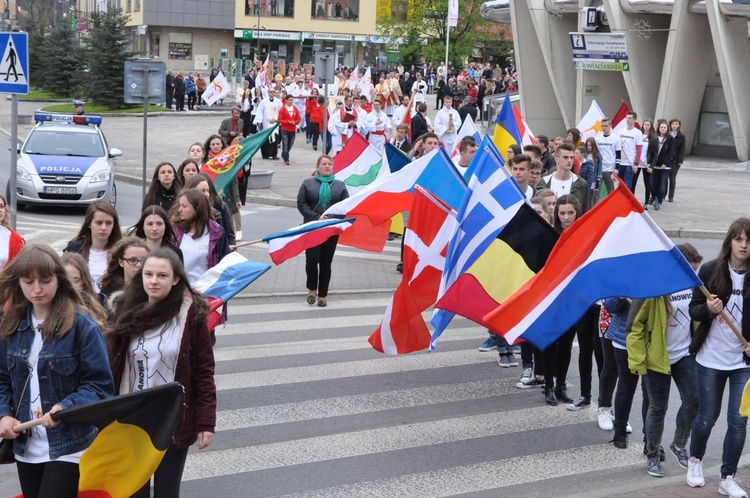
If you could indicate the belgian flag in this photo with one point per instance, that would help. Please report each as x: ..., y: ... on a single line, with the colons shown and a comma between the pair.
x: 134, y: 432
x: 512, y: 259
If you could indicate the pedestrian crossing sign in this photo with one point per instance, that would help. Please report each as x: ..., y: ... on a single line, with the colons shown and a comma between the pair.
x: 14, y: 65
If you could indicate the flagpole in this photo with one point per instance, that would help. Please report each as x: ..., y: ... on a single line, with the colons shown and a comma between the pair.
x: 243, y: 244
x: 723, y: 314
x: 447, y: 43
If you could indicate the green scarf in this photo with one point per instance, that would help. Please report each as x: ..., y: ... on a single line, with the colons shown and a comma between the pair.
x: 324, y: 195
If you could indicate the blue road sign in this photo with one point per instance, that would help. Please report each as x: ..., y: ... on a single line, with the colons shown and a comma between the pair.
x: 14, y: 65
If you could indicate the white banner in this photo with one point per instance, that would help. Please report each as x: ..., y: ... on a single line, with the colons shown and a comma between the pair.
x: 452, y: 13
x: 217, y: 89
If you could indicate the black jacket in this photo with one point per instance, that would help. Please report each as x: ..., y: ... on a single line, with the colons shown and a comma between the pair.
x: 678, y: 156
x: 179, y: 86
x: 308, y: 202
x: 162, y: 197
x: 699, y: 308
x: 467, y: 109
x: 418, y: 126
x: 658, y: 157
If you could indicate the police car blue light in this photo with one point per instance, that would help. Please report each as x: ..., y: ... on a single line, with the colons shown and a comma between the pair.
x: 64, y: 163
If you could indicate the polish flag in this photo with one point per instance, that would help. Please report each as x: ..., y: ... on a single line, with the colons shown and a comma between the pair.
x: 527, y: 137
x: 620, y: 122
x: 431, y: 226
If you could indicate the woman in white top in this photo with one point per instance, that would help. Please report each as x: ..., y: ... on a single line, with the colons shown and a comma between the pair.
x: 649, y: 146
x: 99, y: 232
x: 720, y: 356
x: 52, y: 357
x: 11, y: 242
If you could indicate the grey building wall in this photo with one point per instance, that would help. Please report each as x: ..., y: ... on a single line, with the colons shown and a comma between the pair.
x: 214, y: 14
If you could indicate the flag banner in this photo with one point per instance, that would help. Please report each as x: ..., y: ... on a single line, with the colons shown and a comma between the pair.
x: 467, y: 129
x: 217, y: 89
x: 224, y: 167
x: 590, y: 124
x: 527, y: 137
x: 506, y: 132
x: 359, y: 164
x: 453, y: 13
x: 407, y: 119
x: 135, y: 430
x: 354, y: 78
x: 365, y: 84
x: 614, y: 250
x: 481, y: 259
x: 289, y: 243
x: 397, y: 224
x: 393, y: 193
x: 431, y: 225
x: 396, y: 157
x: 620, y: 121
x: 225, y: 280
x: 363, y: 234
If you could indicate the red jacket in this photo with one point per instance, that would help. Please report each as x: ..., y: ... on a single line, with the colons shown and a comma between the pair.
x: 15, y: 244
x: 194, y: 370
x: 289, y: 122
x: 316, y: 115
x: 310, y: 102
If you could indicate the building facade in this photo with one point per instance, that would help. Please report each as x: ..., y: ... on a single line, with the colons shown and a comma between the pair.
x: 687, y: 59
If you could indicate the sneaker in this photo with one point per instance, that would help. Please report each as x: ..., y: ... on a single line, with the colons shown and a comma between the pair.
x: 629, y: 430
x: 400, y: 269
x: 502, y: 360
x: 680, y: 454
x: 662, y: 455
x: 657, y: 205
x: 488, y: 345
x: 582, y: 402
x: 527, y: 382
x: 512, y: 361
x: 695, y: 473
x: 604, y: 418
x: 654, y: 468
x: 527, y: 374
x: 620, y: 440
x: 728, y: 487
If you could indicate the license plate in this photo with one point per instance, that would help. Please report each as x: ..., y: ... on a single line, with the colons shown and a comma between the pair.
x: 60, y: 190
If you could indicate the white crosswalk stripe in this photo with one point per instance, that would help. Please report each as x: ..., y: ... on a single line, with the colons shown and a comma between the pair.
x: 300, y: 390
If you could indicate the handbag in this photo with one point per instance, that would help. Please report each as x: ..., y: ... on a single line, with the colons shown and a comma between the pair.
x: 6, y: 446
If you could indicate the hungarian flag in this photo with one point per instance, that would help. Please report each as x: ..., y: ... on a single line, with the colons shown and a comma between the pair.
x: 225, y: 280
x: 289, y: 243
x: 431, y: 226
x: 224, y: 167
x: 134, y: 432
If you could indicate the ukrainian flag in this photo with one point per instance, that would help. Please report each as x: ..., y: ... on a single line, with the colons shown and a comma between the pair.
x: 506, y: 131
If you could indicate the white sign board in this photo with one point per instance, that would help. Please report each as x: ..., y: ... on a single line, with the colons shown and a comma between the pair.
x: 599, y: 46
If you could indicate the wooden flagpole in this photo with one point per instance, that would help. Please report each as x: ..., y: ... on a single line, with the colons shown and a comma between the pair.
x: 724, y: 315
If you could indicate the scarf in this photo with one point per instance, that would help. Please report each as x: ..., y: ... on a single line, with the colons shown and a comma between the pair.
x: 324, y: 195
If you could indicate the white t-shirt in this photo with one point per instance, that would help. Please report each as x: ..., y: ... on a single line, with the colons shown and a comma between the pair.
x: 629, y: 142
x: 152, y: 357
x: 560, y: 187
x: 608, y: 146
x: 37, y: 444
x: 678, y: 325
x: 530, y: 192
x: 4, y: 243
x: 97, y: 266
x: 195, y: 254
x: 644, y: 153
x: 722, y: 349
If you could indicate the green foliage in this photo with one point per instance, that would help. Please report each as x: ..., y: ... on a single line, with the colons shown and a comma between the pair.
x: 62, y: 58
x: 427, y: 19
x: 37, y: 64
x: 105, y: 52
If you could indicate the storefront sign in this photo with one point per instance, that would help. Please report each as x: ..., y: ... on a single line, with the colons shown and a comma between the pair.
x: 326, y: 36
x: 600, y: 65
x: 254, y: 34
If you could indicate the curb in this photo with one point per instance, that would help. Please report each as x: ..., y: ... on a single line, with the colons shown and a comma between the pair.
x: 344, y: 292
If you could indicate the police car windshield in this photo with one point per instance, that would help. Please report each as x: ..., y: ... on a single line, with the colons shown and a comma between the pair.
x: 52, y: 143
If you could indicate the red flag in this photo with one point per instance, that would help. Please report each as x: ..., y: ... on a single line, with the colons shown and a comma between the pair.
x: 431, y: 225
x: 407, y: 118
x: 619, y: 122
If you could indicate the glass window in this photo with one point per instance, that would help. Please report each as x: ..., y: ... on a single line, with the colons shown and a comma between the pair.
x: 181, y: 46
x: 137, y: 6
x: 282, y: 8
x: 335, y: 10
x: 715, y: 129
x: 155, y: 40
x: 129, y: 6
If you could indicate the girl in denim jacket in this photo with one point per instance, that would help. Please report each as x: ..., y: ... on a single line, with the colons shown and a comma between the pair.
x: 47, y: 336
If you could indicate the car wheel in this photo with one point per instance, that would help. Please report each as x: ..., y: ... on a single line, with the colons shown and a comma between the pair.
x: 113, y: 196
x: 19, y: 206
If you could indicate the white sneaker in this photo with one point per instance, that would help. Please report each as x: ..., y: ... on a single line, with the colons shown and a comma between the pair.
x: 729, y: 487
x: 628, y: 428
x: 695, y: 474
x: 604, y: 419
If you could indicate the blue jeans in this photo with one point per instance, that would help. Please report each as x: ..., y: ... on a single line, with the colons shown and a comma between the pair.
x: 710, y: 393
x: 657, y: 385
x: 625, y: 172
x: 659, y: 179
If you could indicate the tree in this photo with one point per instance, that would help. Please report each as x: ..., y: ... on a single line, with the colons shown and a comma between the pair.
x: 62, y: 61
x: 36, y: 17
x: 429, y: 19
x: 106, y: 50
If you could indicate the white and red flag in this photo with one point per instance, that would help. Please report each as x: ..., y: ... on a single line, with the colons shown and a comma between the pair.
x: 431, y: 226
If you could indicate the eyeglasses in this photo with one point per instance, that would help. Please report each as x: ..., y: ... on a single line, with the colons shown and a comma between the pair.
x: 133, y: 261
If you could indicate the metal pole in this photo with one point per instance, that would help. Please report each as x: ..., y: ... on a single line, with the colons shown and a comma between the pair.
x: 324, y: 131
x: 145, y: 130
x: 257, y: 31
x: 447, y: 43
x: 13, y: 158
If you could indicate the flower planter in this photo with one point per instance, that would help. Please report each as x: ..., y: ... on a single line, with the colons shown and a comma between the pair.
x: 260, y: 178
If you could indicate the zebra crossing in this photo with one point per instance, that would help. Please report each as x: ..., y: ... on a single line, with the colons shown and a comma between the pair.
x: 306, y: 408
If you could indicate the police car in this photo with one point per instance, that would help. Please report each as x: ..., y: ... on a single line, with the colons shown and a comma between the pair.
x: 65, y: 160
